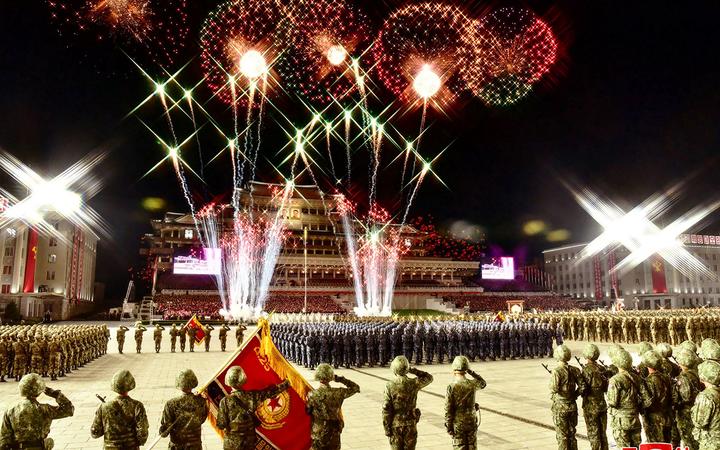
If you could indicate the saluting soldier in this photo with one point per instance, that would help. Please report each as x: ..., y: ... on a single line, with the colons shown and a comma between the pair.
x: 139, y: 330
x: 239, y: 333
x: 26, y: 425
x: 462, y: 416
x: 182, y: 334
x: 122, y: 421
x: 222, y: 334
x: 157, y: 336
x: 183, y: 416
x: 323, y: 407
x: 191, y: 332
x: 208, y: 334
x: 400, y: 414
x: 236, y: 415
x: 120, y: 336
x: 173, y: 337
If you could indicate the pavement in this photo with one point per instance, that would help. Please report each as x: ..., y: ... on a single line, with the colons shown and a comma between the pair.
x: 515, y: 405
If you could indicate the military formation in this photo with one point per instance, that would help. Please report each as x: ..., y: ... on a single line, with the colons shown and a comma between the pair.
x: 183, y: 335
x: 672, y: 398
x: 49, y: 350
x: 376, y: 341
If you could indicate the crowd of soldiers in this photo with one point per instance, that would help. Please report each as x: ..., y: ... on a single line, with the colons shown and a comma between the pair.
x: 49, y: 350
x: 186, y: 335
x: 673, y: 399
x: 376, y: 341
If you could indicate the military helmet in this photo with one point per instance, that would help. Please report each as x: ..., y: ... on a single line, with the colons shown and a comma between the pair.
x: 710, y: 349
x: 400, y: 365
x: 622, y: 359
x: 460, y: 364
x: 235, y: 377
x: 562, y: 353
x: 687, y: 358
x: 644, y: 347
x: 689, y: 345
x: 591, y: 351
x: 652, y: 359
x: 186, y: 380
x: 664, y: 350
x: 710, y: 372
x: 31, y: 385
x: 324, y: 373
x: 122, y: 382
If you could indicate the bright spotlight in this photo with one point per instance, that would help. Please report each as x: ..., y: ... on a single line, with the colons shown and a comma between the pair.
x: 252, y: 64
x: 336, y: 55
x: 427, y: 82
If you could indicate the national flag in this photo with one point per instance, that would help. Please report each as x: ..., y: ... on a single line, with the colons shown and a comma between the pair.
x: 284, y: 423
x: 30, y: 260
x: 195, y: 323
x: 659, y: 283
x: 499, y: 317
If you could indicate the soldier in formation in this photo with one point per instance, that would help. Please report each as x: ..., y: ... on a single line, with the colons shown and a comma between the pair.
x: 122, y: 421
x: 157, y: 337
x: 462, y: 414
x: 139, y: 330
x: 182, y: 335
x: 120, y: 337
x: 208, y: 334
x: 173, y: 337
x: 222, y: 335
x: 323, y: 407
x: 239, y: 333
x: 183, y: 416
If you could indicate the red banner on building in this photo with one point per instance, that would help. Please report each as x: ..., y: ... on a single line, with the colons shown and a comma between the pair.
x: 30, y: 260
x: 659, y: 283
x: 612, y: 261
x: 283, y: 422
x: 597, y: 273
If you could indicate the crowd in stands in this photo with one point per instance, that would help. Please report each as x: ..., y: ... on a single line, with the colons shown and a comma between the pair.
x: 516, y: 285
x: 477, y: 303
x: 182, y: 307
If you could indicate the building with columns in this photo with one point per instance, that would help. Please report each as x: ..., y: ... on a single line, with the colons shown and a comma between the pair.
x: 41, y: 273
x: 651, y: 285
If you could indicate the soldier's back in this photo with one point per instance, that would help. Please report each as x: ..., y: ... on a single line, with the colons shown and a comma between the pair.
x: 461, y: 395
x: 123, y: 423
x: 183, y: 417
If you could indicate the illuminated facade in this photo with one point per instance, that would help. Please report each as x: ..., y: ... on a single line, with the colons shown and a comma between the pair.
x: 652, y: 284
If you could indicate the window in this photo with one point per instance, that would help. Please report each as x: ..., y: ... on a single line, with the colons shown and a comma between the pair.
x: 9, y: 251
x: 52, y: 258
x: 5, y: 289
x: 50, y: 275
x: 7, y: 270
x: 188, y: 234
x: 53, y: 242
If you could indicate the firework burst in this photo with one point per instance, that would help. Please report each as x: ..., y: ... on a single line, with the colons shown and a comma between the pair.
x: 508, y: 51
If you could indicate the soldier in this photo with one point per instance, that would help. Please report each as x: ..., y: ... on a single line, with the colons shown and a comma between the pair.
x: 191, y: 333
x: 323, y: 407
x: 685, y: 390
x: 657, y: 404
x: 566, y: 384
x: 239, y: 333
x: 20, y: 358
x: 122, y: 421
x: 139, y: 330
x: 54, y: 356
x: 4, y: 350
x: 461, y: 412
x: 208, y: 334
x: 236, y: 416
x: 430, y: 343
x: 26, y: 425
x: 120, y: 337
x: 222, y: 334
x: 623, y: 398
x: 593, y: 404
x: 643, y: 348
x: 173, y: 337
x: 183, y: 416
x: 442, y: 340
x: 157, y: 337
x: 706, y: 411
x: 337, y: 350
x: 400, y: 414
x: 182, y: 335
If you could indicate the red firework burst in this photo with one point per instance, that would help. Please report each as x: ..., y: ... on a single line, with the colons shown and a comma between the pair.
x: 160, y: 27
x: 236, y: 41
x: 512, y: 49
x: 319, y: 42
x: 418, y: 52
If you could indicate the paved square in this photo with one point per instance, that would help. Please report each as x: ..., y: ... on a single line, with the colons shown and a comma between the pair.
x: 515, y: 406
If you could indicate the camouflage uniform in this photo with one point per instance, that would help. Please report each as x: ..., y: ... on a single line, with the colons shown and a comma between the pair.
x: 20, y: 359
x: 173, y: 338
x: 657, y: 404
x: 183, y: 416
x: 4, y: 350
x: 323, y: 407
x: 623, y: 398
x: 122, y: 421
x: 182, y: 334
x: 400, y: 415
x: 191, y: 332
x: 120, y: 336
x: 139, y: 330
x: 461, y: 412
x: 593, y: 404
x: 157, y: 337
x: 239, y: 332
x: 236, y: 415
x: 27, y: 423
x: 566, y: 383
x: 54, y: 356
x: 222, y: 335
x: 208, y: 335
x: 706, y: 411
x: 685, y: 391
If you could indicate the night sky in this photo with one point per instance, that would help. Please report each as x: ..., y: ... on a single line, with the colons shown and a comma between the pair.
x: 631, y: 108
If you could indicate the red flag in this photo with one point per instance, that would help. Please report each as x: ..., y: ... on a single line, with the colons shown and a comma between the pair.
x: 194, y: 323
x: 499, y: 317
x: 284, y: 424
x: 659, y: 284
x: 32, y: 242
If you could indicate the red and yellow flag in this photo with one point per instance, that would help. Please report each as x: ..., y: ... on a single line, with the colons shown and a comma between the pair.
x: 499, y: 317
x: 195, y: 324
x: 284, y: 424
